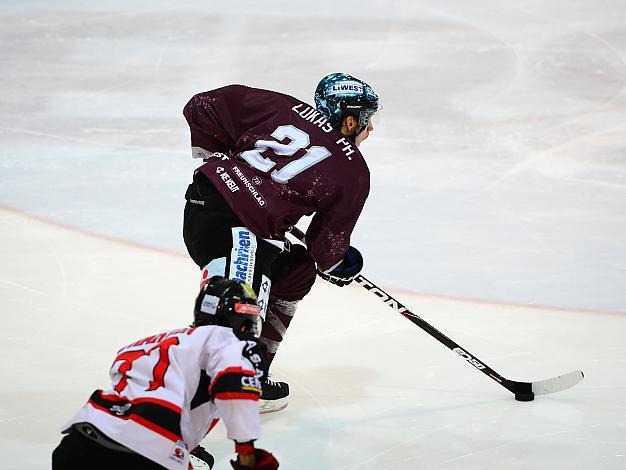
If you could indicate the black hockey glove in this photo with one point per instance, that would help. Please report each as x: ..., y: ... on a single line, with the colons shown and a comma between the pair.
x: 347, y: 269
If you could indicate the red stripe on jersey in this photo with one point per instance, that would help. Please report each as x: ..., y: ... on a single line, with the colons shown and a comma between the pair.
x: 237, y: 396
x: 113, y: 397
x: 139, y: 420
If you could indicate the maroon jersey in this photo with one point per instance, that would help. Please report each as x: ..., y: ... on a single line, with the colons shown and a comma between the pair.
x: 285, y: 161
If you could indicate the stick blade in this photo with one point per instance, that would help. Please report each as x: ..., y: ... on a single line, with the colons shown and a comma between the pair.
x: 557, y: 384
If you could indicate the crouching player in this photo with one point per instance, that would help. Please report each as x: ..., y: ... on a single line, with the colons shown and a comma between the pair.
x: 170, y: 389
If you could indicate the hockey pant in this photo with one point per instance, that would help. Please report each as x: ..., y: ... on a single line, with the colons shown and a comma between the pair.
x: 221, y: 245
x: 77, y: 452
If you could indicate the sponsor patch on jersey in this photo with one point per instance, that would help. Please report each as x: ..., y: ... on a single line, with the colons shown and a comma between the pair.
x: 243, y: 255
x: 251, y: 384
x: 179, y: 452
x: 251, y: 189
x: 236, y: 383
x: 347, y: 87
x: 209, y: 304
x: 226, y: 178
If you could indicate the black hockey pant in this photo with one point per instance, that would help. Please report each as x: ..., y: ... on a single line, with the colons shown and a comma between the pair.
x: 212, y: 233
x: 77, y: 452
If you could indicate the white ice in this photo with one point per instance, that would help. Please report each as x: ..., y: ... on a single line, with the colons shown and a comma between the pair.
x: 497, y: 212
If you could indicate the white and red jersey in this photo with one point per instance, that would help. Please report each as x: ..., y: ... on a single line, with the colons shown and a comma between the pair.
x: 168, y: 390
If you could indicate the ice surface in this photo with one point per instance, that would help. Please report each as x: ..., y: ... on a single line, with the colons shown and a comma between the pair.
x: 369, y: 389
x: 498, y: 173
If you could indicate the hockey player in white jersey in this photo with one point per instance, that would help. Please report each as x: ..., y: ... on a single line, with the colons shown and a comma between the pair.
x: 170, y: 389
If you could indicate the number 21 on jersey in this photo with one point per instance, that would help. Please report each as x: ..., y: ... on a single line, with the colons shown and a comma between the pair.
x: 297, y: 140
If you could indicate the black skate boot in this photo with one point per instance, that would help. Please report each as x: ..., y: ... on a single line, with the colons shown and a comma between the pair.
x: 274, y: 396
x: 201, y: 459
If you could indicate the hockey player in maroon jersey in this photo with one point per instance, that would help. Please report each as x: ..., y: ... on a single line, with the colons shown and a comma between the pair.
x: 270, y: 159
x: 170, y: 389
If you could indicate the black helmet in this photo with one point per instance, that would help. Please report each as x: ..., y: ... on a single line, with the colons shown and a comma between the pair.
x: 340, y: 94
x: 229, y: 303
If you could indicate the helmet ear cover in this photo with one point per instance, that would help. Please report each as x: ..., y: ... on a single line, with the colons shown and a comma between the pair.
x: 361, y: 108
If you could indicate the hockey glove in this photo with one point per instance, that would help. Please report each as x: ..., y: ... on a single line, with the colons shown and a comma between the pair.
x: 264, y: 461
x: 346, y: 270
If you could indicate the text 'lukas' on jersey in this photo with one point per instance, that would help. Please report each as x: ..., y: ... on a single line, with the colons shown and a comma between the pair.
x: 313, y: 116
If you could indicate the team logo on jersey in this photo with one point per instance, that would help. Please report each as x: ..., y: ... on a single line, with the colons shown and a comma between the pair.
x: 243, y: 255
x: 121, y: 410
x: 347, y: 87
x: 256, y: 180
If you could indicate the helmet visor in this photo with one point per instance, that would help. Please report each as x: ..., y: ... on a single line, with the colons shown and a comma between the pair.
x: 369, y: 119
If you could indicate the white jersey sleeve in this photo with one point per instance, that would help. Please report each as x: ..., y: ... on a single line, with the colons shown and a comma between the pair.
x: 236, y: 388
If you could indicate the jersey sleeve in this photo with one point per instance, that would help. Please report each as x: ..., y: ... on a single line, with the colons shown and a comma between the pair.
x: 220, y: 119
x: 235, y: 389
x: 214, y: 118
x: 328, y: 235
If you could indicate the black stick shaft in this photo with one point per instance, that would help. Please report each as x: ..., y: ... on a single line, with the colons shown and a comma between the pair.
x: 428, y: 328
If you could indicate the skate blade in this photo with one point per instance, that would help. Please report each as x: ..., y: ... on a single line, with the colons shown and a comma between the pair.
x: 271, y: 406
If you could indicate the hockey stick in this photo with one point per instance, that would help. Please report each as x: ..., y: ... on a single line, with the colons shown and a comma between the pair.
x: 523, y: 391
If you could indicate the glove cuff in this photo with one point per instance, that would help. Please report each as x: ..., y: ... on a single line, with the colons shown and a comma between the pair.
x: 244, y: 448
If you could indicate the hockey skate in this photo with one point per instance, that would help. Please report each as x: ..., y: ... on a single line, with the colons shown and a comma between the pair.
x: 274, y: 396
x: 201, y: 459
